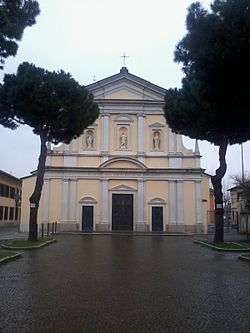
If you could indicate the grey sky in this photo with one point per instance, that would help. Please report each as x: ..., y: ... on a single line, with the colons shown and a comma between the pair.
x: 87, y: 38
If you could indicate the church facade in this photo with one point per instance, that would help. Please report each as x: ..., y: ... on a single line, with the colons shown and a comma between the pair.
x: 127, y: 172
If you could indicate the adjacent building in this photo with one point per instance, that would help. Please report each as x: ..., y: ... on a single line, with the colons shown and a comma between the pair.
x: 240, y: 205
x: 127, y: 172
x: 10, y: 195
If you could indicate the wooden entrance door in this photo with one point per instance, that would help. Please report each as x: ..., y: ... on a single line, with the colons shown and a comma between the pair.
x: 157, y: 218
x: 87, y: 218
x: 122, y: 212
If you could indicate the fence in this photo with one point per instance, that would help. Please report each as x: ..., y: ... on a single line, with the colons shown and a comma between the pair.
x: 48, y: 229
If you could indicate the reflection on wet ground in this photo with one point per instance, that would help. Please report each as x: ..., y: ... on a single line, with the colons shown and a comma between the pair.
x: 125, y: 284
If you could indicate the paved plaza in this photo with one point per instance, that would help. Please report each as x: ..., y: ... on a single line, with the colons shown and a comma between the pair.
x: 122, y: 284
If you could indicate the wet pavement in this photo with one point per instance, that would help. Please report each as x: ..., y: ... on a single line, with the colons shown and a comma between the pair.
x: 123, y: 284
x: 8, y: 233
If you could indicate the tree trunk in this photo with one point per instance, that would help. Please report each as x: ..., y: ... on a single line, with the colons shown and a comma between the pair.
x: 36, y: 195
x: 247, y: 233
x: 218, y: 195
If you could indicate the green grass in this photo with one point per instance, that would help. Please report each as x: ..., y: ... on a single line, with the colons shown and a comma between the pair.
x: 6, y: 254
x: 226, y: 245
x: 26, y: 244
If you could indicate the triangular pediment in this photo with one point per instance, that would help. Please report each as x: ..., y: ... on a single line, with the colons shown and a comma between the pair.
x: 122, y: 188
x: 126, y: 86
x: 157, y: 125
x: 123, y: 93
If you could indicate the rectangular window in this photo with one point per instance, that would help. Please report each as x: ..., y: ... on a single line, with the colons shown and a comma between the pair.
x: 11, y: 213
x: 12, y: 192
x: 6, y: 191
x: 1, y: 190
x: 1, y: 212
x: 6, y: 212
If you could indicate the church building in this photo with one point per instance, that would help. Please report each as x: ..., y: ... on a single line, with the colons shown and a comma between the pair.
x: 127, y: 172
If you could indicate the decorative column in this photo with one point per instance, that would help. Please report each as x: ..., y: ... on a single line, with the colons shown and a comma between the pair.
x: 65, y: 195
x: 66, y: 148
x: 197, y: 155
x: 179, y: 201
x: 140, y: 204
x: 198, y: 202
x: 104, y: 202
x: 105, y: 132
x: 49, y: 149
x: 72, y: 208
x: 178, y: 143
x: 74, y: 145
x: 141, y: 136
x: 170, y: 141
x: 172, y: 201
x: 46, y: 201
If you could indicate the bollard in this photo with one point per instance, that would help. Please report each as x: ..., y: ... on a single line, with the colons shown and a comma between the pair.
x: 53, y: 225
x: 47, y: 229
x: 42, y: 230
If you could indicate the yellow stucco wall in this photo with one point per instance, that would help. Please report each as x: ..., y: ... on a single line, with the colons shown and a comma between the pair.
x: 87, y: 188
x: 88, y: 161
x: 56, y: 161
x: 188, y: 162
x: 156, y: 189
x: 55, y: 202
x: 153, y: 162
x: 123, y: 94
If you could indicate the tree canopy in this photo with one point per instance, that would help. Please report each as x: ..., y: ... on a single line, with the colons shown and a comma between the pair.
x: 15, y: 16
x: 213, y: 102
x: 54, y: 105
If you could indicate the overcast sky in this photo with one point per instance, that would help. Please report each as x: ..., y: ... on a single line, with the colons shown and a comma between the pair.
x: 87, y: 39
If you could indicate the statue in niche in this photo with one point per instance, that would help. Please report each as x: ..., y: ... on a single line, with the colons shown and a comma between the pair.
x: 156, y: 140
x: 123, y: 141
x: 89, y: 139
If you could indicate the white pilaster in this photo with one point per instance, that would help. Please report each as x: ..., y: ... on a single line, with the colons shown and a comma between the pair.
x: 65, y: 148
x: 65, y: 195
x: 141, y: 135
x: 179, y: 201
x: 74, y: 146
x: 48, y: 160
x: 46, y: 201
x: 178, y: 143
x: 72, y: 201
x: 170, y: 141
x: 140, y: 205
x: 198, y: 201
x: 105, y: 132
x: 172, y: 201
x: 104, y: 202
x: 197, y: 155
x: 104, y: 159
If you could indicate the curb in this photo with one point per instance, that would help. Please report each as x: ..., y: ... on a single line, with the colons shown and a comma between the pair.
x: 12, y: 257
x: 219, y: 248
x: 244, y: 257
x: 121, y: 234
x: 9, y: 247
